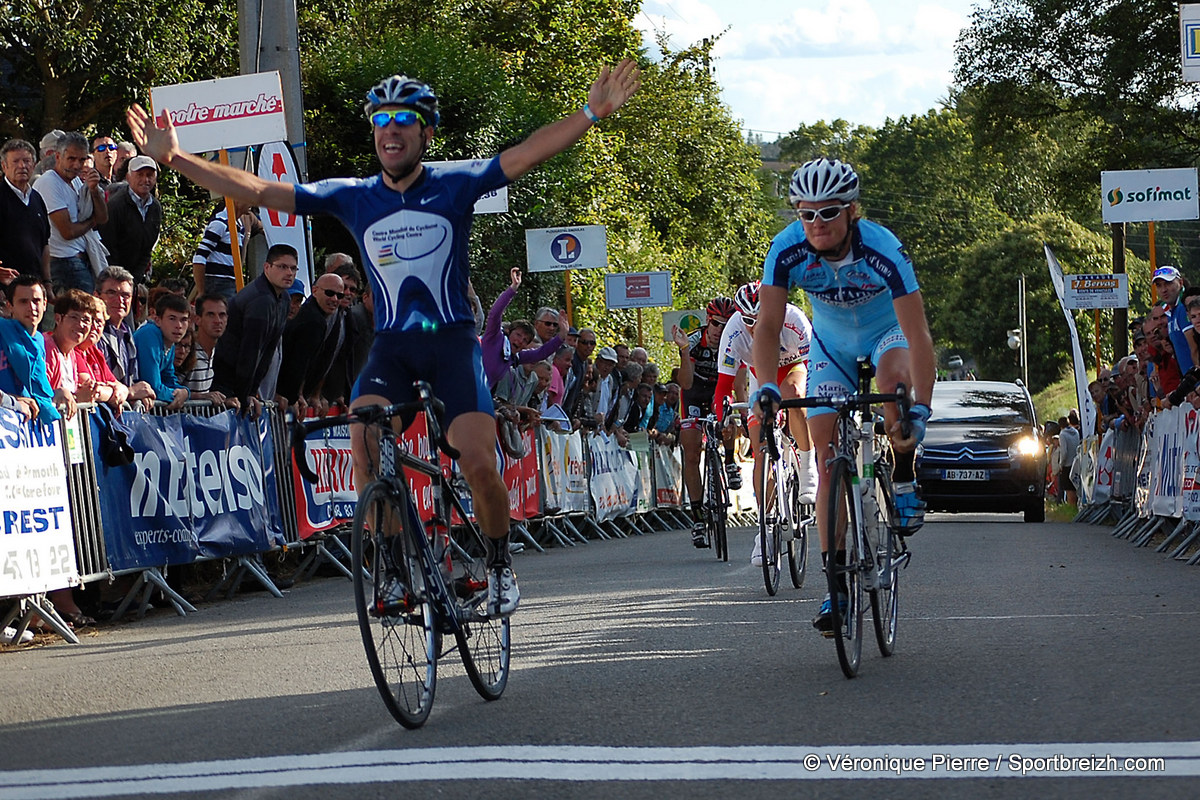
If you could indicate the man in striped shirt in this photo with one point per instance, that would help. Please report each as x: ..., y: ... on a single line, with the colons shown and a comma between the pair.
x: 212, y: 266
x: 212, y: 315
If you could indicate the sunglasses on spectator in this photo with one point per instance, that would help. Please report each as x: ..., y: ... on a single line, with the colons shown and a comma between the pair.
x: 826, y: 214
x: 114, y: 293
x: 551, y: 322
x: 100, y: 148
x: 332, y: 293
x: 401, y: 116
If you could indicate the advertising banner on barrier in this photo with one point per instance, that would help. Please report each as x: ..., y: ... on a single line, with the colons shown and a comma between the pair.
x: 531, y: 495
x: 196, y: 487
x: 1145, y: 469
x: 614, y: 478
x: 668, y: 477
x: 1191, y: 463
x: 332, y: 499
x: 644, y: 497
x: 577, y: 497
x: 552, y: 453
x: 38, y: 548
x: 1103, y: 485
x: 1166, y: 491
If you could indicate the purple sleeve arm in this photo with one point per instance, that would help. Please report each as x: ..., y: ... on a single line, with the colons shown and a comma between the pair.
x: 541, y: 353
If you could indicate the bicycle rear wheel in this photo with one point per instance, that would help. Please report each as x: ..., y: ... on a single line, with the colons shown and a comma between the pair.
x: 841, y: 515
x: 484, y: 643
x: 768, y: 525
x: 884, y: 605
x: 401, y: 640
x: 797, y: 546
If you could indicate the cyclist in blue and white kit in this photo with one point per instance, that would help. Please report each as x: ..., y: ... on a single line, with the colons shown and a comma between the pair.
x: 866, y: 302
x: 412, y: 222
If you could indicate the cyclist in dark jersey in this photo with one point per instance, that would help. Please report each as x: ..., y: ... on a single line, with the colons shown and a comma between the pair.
x: 412, y: 223
x: 697, y: 402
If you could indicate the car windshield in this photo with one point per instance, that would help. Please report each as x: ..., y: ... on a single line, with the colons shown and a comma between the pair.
x: 979, y: 406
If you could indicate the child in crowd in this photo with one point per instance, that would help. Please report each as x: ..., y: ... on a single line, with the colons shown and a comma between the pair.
x: 156, y: 349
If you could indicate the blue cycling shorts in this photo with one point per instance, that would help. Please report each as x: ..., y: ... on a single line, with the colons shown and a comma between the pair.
x: 833, y: 366
x: 449, y: 359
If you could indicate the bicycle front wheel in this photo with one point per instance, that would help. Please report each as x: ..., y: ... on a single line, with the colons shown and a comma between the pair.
x: 716, y: 504
x: 844, y: 579
x: 395, y: 612
x: 484, y: 643
x: 768, y: 524
x: 884, y: 606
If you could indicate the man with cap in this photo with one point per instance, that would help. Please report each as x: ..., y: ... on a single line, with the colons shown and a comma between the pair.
x: 134, y: 219
x: 48, y: 147
x: 608, y: 383
x: 1168, y: 282
x: 297, y: 293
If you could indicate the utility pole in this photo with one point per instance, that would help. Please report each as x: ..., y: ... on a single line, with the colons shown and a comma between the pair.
x: 268, y: 40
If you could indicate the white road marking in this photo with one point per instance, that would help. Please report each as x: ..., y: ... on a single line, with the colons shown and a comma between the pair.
x: 611, y: 764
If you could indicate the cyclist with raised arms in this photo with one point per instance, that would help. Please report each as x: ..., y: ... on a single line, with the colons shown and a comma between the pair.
x: 792, y: 344
x: 703, y: 351
x: 866, y: 303
x: 412, y: 223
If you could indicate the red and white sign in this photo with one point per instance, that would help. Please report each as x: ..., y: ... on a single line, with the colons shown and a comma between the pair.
x: 224, y: 113
x: 277, y: 163
x: 637, y: 290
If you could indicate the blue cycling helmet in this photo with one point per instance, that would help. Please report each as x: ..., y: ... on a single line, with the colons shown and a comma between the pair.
x: 823, y: 179
x: 401, y: 90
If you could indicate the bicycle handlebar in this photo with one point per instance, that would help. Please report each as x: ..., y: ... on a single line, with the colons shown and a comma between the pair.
x: 841, y: 401
x: 369, y: 415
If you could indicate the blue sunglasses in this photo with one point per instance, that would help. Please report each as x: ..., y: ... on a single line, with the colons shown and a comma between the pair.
x: 402, y: 116
x: 100, y: 148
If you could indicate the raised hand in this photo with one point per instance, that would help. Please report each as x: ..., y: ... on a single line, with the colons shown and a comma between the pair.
x: 155, y: 138
x: 514, y: 277
x: 613, y: 87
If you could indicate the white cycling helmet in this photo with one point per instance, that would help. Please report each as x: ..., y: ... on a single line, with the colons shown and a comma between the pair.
x: 823, y: 179
x: 746, y: 299
x: 401, y: 90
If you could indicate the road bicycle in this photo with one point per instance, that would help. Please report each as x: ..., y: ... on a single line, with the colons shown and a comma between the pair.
x: 781, y: 516
x: 861, y: 508
x: 715, y: 506
x: 417, y: 582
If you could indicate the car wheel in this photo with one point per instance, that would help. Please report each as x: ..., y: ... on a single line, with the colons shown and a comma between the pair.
x: 1036, y: 512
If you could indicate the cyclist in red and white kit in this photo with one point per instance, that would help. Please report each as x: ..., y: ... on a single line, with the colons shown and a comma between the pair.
x: 795, y: 338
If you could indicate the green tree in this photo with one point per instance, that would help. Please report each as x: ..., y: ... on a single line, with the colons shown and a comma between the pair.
x: 75, y: 65
x: 985, y: 303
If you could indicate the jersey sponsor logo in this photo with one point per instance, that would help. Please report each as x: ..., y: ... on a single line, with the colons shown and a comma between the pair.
x: 410, y: 251
x: 729, y: 360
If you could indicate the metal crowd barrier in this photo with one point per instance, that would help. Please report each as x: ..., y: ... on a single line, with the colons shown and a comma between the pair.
x: 546, y: 527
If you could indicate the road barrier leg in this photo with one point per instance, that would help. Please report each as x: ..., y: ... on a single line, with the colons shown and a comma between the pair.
x: 1166, y: 543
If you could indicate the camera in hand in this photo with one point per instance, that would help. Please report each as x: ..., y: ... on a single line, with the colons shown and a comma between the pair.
x: 1186, y: 385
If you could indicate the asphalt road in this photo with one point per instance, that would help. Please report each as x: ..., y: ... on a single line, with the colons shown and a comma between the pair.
x: 644, y: 668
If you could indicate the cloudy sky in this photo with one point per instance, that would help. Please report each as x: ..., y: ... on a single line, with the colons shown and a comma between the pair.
x: 785, y: 62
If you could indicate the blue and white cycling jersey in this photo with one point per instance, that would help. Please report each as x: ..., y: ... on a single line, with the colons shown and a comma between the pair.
x: 415, y: 242
x: 856, y: 295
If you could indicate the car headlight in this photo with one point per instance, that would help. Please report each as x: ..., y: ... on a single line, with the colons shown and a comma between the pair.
x: 1025, y: 447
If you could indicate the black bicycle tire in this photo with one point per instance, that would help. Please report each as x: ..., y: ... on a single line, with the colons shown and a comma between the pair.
x: 798, y: 544
x: 768, y: 531
x: 847, y: 627
x: 408, y: 704
x: 715, y: 505
x: 484, y: 643
x: 884, y: 599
